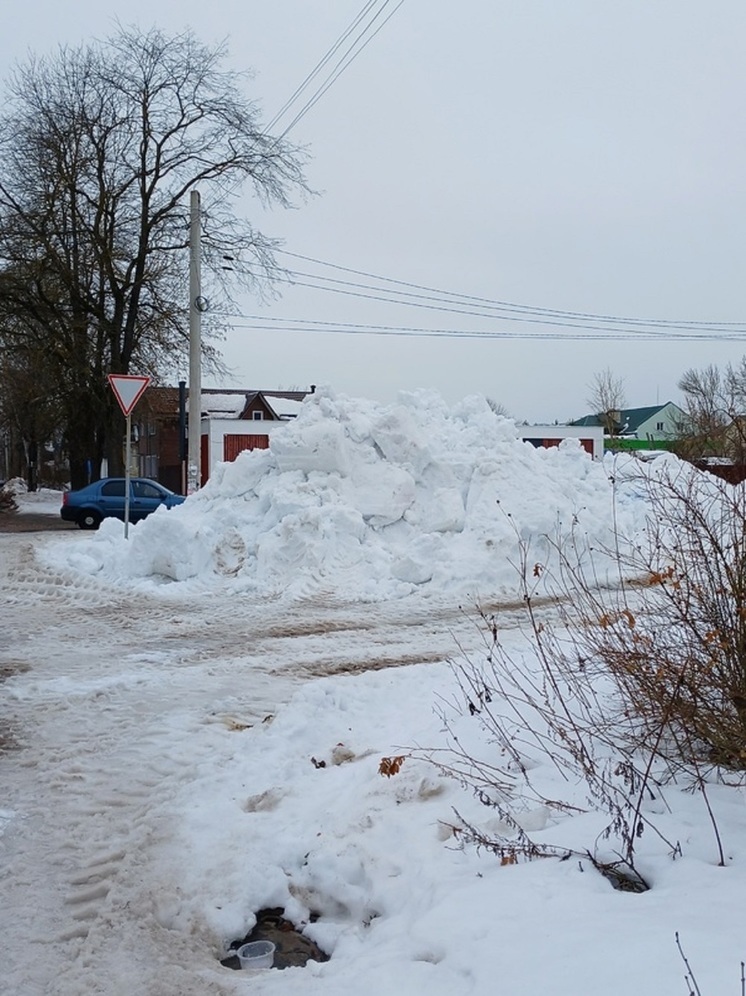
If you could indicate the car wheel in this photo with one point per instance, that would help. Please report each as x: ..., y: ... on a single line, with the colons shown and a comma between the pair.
x: 89, y: 520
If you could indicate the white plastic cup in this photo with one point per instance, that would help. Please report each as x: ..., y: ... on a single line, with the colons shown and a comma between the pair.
x: 256, y: 954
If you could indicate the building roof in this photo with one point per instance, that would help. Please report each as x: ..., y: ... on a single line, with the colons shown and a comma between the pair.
x: 222, y: 405
x: 630, y: 419
x: 225, y: 402
x: 162, y: 400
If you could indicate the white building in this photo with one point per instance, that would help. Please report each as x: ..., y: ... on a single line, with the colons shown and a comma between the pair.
x: 235, y: 421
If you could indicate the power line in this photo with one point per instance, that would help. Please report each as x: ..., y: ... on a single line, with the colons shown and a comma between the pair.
x: 512, y: 313
x: 484, y: 308
x: 435, y: 299
x: 259, y: 323
x: 521, y: 308
x: 320, y: 65
x: 353, y: 51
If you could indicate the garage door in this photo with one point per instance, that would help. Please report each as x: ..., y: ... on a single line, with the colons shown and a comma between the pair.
x: 234, y: 444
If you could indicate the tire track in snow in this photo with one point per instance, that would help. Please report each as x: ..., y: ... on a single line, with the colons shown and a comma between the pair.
x: 121, y: 693
x: 26, y: 578
x: 95, y: 802
x: 116, y: 802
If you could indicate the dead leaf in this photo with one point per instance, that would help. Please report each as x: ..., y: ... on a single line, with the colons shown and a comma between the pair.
x: 390, y: 765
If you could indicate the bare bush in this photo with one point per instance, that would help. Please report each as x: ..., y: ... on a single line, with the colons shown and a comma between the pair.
x: 674, y: 637
x: 691, y: 980
x: 545, y: 704
x: 638, y: 678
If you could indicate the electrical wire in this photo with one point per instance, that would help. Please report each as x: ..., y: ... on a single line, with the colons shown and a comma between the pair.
x: 260, y: 323
x: 354, y: 50
x: 348, y: 56
x: 388, y: 291
x: 511, y: 306
x: 492, y: 311
x: 319, y: 65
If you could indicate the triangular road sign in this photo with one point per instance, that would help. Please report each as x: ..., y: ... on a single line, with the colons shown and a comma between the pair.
x: 128, y: 389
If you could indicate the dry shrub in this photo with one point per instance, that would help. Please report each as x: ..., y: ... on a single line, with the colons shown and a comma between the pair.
x: 544, y: 704
x: 673, y: 635
x: 635, y: 676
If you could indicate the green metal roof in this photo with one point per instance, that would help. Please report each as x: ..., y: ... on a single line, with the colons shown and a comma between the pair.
x: 630, y: 419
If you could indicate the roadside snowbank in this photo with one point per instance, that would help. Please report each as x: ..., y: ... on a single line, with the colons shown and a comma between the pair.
x: 372, y: 502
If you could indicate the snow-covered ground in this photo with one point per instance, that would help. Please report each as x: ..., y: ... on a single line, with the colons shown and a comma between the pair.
x: 44, y: 501
x: 169, y: 701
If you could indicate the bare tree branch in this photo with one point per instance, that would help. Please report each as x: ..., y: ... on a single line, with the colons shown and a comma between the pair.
x: 100, y: 149
x: 606, y: 399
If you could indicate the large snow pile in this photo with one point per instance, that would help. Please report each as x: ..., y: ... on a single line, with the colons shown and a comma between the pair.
x: 373, y: 502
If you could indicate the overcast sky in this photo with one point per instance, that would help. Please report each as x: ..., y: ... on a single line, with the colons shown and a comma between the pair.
x: 581, y: 156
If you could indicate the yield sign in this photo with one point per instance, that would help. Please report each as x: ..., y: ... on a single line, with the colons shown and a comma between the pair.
x: 128, y: 389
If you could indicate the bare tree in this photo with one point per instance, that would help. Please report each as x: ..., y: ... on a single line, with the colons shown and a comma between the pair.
x: 99, y: 150
x: 715, y: 403
x: 606, y: 399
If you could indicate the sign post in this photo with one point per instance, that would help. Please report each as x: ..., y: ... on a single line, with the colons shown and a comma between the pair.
x: 197, y: 305
x: 128, y: 389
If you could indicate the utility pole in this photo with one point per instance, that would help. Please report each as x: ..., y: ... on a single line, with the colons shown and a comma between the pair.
x: 196, y: 306
x: 182, y: 438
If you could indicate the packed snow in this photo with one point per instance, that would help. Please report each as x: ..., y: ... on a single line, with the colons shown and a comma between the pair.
x: 372, y: 503
x: 199, y: 717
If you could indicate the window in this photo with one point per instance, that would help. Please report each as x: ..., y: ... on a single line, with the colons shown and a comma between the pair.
x: 112, y: 489
x: 143, y: 489
x: 659, y: 426
x: 257, y: 416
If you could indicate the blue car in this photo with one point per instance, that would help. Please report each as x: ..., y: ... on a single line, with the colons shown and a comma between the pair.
x: 105, y: 499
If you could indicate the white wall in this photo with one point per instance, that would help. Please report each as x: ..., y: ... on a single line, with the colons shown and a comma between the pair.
x: 671, y: 416
x: 217, y: 428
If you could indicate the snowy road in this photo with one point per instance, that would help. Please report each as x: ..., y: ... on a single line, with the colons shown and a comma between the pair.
x: 109, y: 703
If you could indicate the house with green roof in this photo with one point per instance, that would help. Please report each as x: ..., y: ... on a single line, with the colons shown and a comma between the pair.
x: 654, y: 423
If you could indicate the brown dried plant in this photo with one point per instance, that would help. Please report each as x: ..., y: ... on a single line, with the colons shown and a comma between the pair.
x: 391, y: 765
